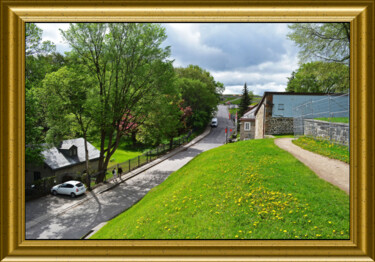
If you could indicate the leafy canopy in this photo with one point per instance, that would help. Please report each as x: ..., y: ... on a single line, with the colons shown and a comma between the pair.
x: 320, y: 77
x: 322, y: 41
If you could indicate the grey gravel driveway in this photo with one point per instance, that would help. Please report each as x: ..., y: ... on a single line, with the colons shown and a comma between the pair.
x: 78, y: 220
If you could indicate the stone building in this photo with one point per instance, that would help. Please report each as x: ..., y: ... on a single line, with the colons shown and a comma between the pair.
x: 274, y: 113
x: 247, y: 124
x: 65, y: 162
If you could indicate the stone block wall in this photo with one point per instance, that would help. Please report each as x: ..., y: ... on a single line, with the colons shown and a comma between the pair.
x: 279, y: 125
x: 247, y: 134
x: 259, y: 123
x: 75, y: 171
x: 337, y: 132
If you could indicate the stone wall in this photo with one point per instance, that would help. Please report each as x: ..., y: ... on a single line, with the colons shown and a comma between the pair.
x: 279, y: 125
x: 244, y: 135
x: 75, y: 171
x: 259, y: 123
x: 337, y: 132
x: 45, y: 171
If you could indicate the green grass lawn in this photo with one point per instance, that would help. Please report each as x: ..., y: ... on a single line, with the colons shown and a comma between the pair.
x: 233, y: 110
x: 246, y: 190
x: 283, y: 136
x: 324, y: 147
x: 334, y: 119
x: 123, y: 153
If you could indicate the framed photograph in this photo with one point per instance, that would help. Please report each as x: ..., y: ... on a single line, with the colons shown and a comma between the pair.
x: 358, y: 14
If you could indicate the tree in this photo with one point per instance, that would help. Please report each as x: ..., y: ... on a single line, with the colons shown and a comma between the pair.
x: 35, y: 69
x: 320, y: 77
x: 200, y: 92
x: 128, y: 63
x: 69, y: 99
x: 33, y: 41
x: 163, y: 120
x: 322, y: 41
x: 245, y: 101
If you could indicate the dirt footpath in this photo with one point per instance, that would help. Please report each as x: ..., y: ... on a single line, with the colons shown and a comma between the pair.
x: 331, y: 170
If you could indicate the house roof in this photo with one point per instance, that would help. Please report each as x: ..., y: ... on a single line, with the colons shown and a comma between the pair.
x: 55, y: 159
x: 249, y: 115
x: 293, y: 93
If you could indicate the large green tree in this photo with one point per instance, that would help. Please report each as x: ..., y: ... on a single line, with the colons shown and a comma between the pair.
x: 200, y: 92
x: 163, y: 120
x: 322, y: 41
x: 128, y: 63
x: 320, y: 77
x: 40, y: 59
x: 69, y: 98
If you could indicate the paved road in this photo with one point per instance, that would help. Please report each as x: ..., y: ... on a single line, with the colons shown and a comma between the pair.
x: 77, y: 221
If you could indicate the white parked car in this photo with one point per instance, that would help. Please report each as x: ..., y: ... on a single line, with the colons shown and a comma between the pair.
x: 214, y: 122
x: 72, y: 188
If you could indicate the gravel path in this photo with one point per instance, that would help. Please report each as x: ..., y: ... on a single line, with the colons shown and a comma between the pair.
x: 331, y: 170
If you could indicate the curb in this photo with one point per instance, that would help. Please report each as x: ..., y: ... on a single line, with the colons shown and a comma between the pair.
x: 158, y: 160
x: 107, y: 187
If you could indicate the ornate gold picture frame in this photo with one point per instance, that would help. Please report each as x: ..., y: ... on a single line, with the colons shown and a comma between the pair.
x: 361, y: 245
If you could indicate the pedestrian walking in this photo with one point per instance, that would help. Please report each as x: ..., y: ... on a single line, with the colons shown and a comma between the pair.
x: 119, y: 172
x: 114, y: 173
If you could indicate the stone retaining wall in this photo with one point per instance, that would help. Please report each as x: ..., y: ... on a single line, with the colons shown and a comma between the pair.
x: 279, y: 125
x: 337, y: 132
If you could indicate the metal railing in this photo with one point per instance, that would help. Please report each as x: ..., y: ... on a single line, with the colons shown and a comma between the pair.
x: 134, y: 163
x: 324, y: 118
x: 43, y: 186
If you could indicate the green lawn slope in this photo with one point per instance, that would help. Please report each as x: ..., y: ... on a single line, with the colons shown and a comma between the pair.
x: 324, y: 148
x: 246, y: 190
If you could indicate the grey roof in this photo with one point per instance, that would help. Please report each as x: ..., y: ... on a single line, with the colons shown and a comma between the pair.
x: 249, y: 114
x: 55, y: 159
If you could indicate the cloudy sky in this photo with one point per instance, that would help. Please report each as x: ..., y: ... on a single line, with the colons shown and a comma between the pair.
x: 234, y: 53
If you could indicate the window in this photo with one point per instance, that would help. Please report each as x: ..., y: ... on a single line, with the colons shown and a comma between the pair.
x: 247, y: 126
x: 37, y: 176
x: 281, y: 107
x: 73, y: 151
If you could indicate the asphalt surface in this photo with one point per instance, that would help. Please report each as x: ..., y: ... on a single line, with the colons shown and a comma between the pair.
x: 60, y: 217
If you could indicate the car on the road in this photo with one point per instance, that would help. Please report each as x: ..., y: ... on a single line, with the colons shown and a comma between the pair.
x: 214, y: 122
x: 72, y: 188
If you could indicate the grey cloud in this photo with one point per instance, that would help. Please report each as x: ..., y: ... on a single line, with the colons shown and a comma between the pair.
x: 238, y: 45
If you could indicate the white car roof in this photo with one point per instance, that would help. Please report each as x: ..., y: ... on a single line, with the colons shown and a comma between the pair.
x: 73, y: 182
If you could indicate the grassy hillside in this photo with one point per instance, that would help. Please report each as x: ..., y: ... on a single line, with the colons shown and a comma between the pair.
x: 324, y: 148
x: 246, y: 190
x: 334, y: 119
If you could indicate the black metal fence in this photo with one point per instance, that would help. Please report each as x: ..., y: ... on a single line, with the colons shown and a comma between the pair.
x: 143, y: 159
x: 43, y: 186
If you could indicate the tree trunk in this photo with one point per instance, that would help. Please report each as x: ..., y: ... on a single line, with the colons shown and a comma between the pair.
x: 110, y: 151
x: 101, y: 175
x: 134, y: 138
x: 88, y: 180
